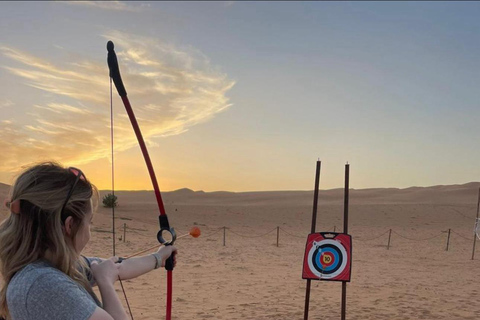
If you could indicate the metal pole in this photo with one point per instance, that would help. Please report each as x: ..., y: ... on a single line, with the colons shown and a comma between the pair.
x: 224, y: 236
x: 314, y: 222
x: 346, y: 198
x: 315, y: 198
x: 475, y: 235
x: 124, y: 231
x: 307, y: 299
x: 334, y: 228
x: 389, y: 237
x: 278, y: 234
x: 448, y: 238
x: 345, y: 230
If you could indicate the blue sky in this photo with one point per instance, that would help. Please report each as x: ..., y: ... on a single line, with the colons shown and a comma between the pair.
x: 265, y: 88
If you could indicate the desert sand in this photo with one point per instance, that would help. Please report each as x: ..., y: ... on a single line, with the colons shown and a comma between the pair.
x: 251, y: 278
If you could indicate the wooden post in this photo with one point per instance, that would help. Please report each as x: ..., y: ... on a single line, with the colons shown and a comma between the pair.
x: 278, y: 234
x: 475, y: 235
x: 389, y: 237
x: 345, y: 230
x: 314, y: 222
x: 448, y: 238
x: 124, y: 231
x: 224, y: 236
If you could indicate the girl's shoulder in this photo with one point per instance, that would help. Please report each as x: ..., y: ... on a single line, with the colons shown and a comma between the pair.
x: 36, y: 271
x: 41, y: 289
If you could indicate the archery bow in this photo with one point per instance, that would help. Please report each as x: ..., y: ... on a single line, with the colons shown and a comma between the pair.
x: 163, y: 219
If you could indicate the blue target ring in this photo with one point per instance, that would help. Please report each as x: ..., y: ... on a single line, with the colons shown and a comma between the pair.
x: 327, y: 248
x: 336, y: 258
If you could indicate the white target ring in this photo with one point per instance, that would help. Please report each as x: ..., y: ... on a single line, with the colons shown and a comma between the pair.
x: 336, y: 250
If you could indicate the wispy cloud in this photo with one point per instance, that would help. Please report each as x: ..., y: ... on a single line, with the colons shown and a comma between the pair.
x: 5, y: 103
x: 110, y: 5
x: 171, y: 89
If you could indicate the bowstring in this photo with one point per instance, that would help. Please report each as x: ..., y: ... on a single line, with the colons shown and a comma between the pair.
x: 113, y: 194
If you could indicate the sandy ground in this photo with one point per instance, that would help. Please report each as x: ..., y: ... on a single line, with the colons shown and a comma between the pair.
x: 251, y: 278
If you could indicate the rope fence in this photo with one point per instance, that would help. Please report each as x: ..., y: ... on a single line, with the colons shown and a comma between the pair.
x: 424, y: 239
x: 374, y: 238
x: 291, y: 234
x: 211, y: 234
x: 251, y: 236
x: 458, y: 234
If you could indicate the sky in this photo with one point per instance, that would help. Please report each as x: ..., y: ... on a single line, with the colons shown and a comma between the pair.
x: 245, y: 96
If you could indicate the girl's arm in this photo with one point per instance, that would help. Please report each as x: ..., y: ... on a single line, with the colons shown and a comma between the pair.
x: 134, y: 267
x: 106, y: 273
x: 111, y: 302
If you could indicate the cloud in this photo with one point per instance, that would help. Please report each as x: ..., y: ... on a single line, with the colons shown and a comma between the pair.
x: 170, y: 89
x: 109, y: 5
x: 6, y: 103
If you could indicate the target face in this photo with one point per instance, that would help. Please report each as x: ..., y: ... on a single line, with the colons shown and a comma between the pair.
x: 327, y: 258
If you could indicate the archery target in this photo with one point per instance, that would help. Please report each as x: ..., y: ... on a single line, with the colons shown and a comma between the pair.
x: 327, y: 258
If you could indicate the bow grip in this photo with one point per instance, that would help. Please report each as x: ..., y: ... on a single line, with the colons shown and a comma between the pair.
x: 169, y: 262
x: 165, y: 227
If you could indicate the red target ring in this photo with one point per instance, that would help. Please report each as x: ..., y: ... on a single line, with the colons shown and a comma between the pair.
x: 327, y: 259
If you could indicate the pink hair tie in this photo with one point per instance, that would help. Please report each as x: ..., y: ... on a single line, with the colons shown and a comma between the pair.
x: 14, y: 206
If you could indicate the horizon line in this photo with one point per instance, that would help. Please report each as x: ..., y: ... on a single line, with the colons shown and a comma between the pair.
x: 284, y: 190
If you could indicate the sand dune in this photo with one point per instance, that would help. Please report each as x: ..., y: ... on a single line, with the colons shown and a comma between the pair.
x: 251, y: 278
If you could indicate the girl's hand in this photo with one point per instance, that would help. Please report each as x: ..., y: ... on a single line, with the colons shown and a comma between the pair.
x: 165, y: 252
x: 106, y: 272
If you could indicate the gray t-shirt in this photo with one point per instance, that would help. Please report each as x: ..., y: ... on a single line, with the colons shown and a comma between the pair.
x: 42, y: 292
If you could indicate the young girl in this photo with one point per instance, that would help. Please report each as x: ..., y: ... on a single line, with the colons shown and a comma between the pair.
x: 44, y: 275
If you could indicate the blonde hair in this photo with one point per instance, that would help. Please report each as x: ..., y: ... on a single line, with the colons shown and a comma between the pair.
x: 27, y: 236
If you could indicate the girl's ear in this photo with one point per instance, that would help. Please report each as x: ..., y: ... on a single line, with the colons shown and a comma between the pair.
x: 68, y: 226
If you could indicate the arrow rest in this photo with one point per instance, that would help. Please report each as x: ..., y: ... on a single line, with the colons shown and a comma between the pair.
x: 172, y: 236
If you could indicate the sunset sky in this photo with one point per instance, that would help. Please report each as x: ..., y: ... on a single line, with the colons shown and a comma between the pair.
x: 245, y: 96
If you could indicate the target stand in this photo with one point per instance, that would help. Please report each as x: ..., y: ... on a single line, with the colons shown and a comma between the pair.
x: 328, y: 257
